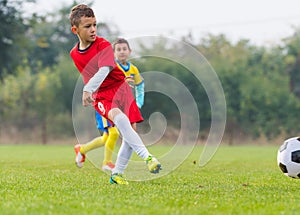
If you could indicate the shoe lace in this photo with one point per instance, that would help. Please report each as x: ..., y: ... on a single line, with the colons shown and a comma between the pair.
x: 148, y: 159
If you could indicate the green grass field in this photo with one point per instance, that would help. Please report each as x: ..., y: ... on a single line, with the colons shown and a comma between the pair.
x: 38, y: 179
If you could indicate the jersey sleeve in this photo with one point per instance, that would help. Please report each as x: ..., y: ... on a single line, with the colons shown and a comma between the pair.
x: 138, y: 79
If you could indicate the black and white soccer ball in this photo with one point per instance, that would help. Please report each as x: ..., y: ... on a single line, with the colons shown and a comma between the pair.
x: 288, y: 157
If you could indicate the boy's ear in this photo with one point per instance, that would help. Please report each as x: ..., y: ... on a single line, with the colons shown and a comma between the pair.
x: 74, y: 29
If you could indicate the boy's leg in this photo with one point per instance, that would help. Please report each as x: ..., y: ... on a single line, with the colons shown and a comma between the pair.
x: 95, y: 143
x: 132, y: 139
x: 123, y: 158
x: 124, y: 155
x: 128, y: 133
x: 81, y: 150
x: 98, y: 141
x: 113, y: 135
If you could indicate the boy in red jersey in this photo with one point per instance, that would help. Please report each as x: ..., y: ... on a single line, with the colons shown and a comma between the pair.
x: 106, y: 89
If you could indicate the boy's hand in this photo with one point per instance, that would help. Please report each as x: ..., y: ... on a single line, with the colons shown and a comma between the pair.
x: 130, y: 81
x: 87, y: 98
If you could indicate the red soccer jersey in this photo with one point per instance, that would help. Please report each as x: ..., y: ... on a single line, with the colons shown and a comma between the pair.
x: 97, y: 55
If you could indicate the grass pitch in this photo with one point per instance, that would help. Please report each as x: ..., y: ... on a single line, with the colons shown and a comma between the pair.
x: 38, y: 179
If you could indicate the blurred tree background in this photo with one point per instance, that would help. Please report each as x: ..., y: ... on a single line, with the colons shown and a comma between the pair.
x: 37, y: 80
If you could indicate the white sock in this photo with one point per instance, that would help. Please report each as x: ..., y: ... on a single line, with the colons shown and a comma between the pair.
x: 123, y: 158
x: 130, y: 136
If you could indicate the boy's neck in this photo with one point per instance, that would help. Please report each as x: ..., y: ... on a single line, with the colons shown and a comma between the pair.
x: 124, y: 63
x: 83, y: 46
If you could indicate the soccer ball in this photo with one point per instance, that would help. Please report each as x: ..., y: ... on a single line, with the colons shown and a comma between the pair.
x: 288, y: 157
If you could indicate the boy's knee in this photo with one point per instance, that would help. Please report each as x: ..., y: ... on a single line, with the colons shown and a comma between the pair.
x: 113, y: 132
x: 113, y: 113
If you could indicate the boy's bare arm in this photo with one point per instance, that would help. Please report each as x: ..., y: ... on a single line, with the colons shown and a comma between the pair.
x: 87, y: 98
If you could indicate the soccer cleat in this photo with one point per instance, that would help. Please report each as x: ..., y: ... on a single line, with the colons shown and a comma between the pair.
x: 117, y: 178
x: 108, y: 167
x: 153, y: 164
x: 80, y: 158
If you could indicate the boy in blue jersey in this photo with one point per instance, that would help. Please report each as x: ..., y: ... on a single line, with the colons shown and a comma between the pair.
x: 122, y: 52
x: 110, y: 135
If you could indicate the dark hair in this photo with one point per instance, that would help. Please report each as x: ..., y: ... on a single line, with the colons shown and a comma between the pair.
x: 118, y: 41
x: 79, y: 11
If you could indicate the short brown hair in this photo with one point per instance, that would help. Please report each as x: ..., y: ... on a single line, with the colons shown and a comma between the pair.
x: 118, y: 41
x: 79, y: 11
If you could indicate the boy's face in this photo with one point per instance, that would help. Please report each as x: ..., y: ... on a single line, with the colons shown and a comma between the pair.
x: 122, y: 52
x: 86, y: 30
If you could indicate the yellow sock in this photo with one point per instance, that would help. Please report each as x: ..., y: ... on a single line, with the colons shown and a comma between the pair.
x: 113, y: 135
x: 95, y: 143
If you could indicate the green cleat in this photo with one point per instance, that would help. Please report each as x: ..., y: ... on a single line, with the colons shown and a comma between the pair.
x: 117, y: 178
x: 153, y: 164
